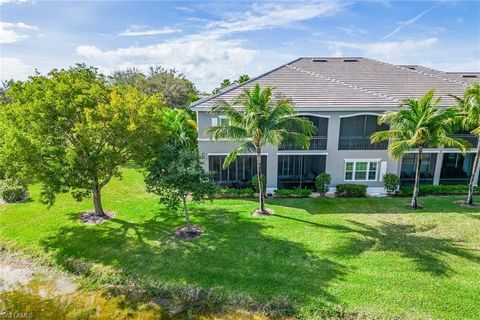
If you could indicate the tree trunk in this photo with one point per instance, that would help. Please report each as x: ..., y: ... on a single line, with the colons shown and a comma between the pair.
x: 414, y: 203
x: 185, y: 209
x: 97, y: 200
x: 472, y: 178
x: 261, y: 195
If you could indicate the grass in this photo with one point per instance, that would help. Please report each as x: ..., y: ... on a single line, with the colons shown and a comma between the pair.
x: 368, y: 256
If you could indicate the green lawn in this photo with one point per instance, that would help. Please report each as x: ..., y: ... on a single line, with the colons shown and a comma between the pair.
x: 372, y: 256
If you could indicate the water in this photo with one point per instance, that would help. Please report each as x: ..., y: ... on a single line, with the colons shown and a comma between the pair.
x: 31, y: 292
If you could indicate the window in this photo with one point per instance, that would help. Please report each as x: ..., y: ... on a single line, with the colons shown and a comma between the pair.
x: 239, y: 173
x: 361, y: 170
x: 299, y: 170
x: 456, y: 168
x: 224, y: 121
x: 427, y: 168
x: 355, y: 133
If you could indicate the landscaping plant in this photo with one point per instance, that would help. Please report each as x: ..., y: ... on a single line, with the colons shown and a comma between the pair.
x: 351, y: 190
x: 391, y: 182
x: 322, y: 182
x: 176, y: 173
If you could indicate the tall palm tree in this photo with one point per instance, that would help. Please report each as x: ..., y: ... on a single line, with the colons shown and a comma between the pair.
x: 468, y: 109
x: 255, y: 120
x: 422, y: 123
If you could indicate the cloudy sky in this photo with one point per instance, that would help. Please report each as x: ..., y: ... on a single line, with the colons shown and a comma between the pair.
x: 210, y: 41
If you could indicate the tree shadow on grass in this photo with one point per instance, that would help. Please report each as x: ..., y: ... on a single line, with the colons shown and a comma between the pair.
x: 387, y: 205
x: 425, y: 251
x: 233, y: 255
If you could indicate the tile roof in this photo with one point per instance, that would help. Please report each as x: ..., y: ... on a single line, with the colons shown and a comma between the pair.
x: 351, y: 83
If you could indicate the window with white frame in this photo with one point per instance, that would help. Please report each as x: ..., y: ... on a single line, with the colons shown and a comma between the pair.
x: 224, y: 121
x: 361, y: 170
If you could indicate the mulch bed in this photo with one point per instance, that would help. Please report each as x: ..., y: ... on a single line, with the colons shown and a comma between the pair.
x: 463, y: 203
x: 257, y: 213
x: 90, y: 217
x: 188, y: 234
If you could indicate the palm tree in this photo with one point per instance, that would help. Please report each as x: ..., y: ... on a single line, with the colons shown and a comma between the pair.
x: 255, y: 121
x: 182, y: 129
x: 468, y: 109
x: 422, y: 123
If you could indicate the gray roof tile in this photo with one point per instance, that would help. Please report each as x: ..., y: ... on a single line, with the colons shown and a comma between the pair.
x: 363, y: 84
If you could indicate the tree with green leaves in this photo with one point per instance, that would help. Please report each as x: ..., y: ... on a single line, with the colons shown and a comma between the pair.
x: 71, y: 131
x: 243, y: 78
x: 173, y: 87
x: 255, y: 120
x: 176, y: 173
x: 468, y: 111
x: 181, y: 127
x: 418, y: 124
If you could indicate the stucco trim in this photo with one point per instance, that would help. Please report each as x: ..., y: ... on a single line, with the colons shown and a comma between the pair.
x: 294, y: 153
x: 360, y: 114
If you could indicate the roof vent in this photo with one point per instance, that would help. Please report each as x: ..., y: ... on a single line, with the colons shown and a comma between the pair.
x: 469, y: 76
x: 319, y: 60
x: 350, y: 60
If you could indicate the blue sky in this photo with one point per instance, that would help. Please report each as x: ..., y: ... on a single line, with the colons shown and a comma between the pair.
x: 210, y: 41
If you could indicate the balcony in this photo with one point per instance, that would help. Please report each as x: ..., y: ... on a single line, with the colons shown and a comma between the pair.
x: 360, y: 143
x: 470, y: 138
x: 316, y: 143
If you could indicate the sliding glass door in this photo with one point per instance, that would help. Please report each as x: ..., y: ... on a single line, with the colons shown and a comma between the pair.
x: 299, y: 170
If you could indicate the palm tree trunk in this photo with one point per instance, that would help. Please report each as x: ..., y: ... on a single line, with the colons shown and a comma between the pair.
x: 414, y: 203
x: 261, y: 195
x: 472, y: 177
x: 185, y: 209
x: 97, y: 200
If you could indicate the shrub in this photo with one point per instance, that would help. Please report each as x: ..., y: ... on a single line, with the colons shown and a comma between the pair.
x: 351, y: 190
x: 322, y: 181
x: 255, y: 183
x: 235, y: 193
x: 391, y: 182
x: 440, y: 190
x: 295, y: 193
x: 12, y: 191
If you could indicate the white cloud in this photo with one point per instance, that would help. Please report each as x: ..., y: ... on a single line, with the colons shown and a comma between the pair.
x: 12, y: 1
x: 185, y: 9
x: 13, y: 68
x: 266, y: 16
x: 353, y: 31
x: 385, y: 50
x: 403, y: 24
x: 208, y: 57
x: 203, y: 62
x: 136, y: 31
x: 14, y: 32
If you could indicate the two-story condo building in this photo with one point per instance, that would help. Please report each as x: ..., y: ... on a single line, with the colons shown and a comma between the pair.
x: 343, y: 97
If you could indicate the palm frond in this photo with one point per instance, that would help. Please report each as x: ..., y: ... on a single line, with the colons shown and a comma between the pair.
x: 398, y: 148
x: 245, y: 147
x: 227, y: 132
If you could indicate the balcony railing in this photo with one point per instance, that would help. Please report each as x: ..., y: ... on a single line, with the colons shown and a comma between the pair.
x: 316, y: 143
x: 470, y: 138
x: 360, y: 143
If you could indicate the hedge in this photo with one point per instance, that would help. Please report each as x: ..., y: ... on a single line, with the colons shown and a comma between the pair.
x: 235, y: 193
x: 293, y: 193
x: 430, y: 189
x: 351, y: 190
